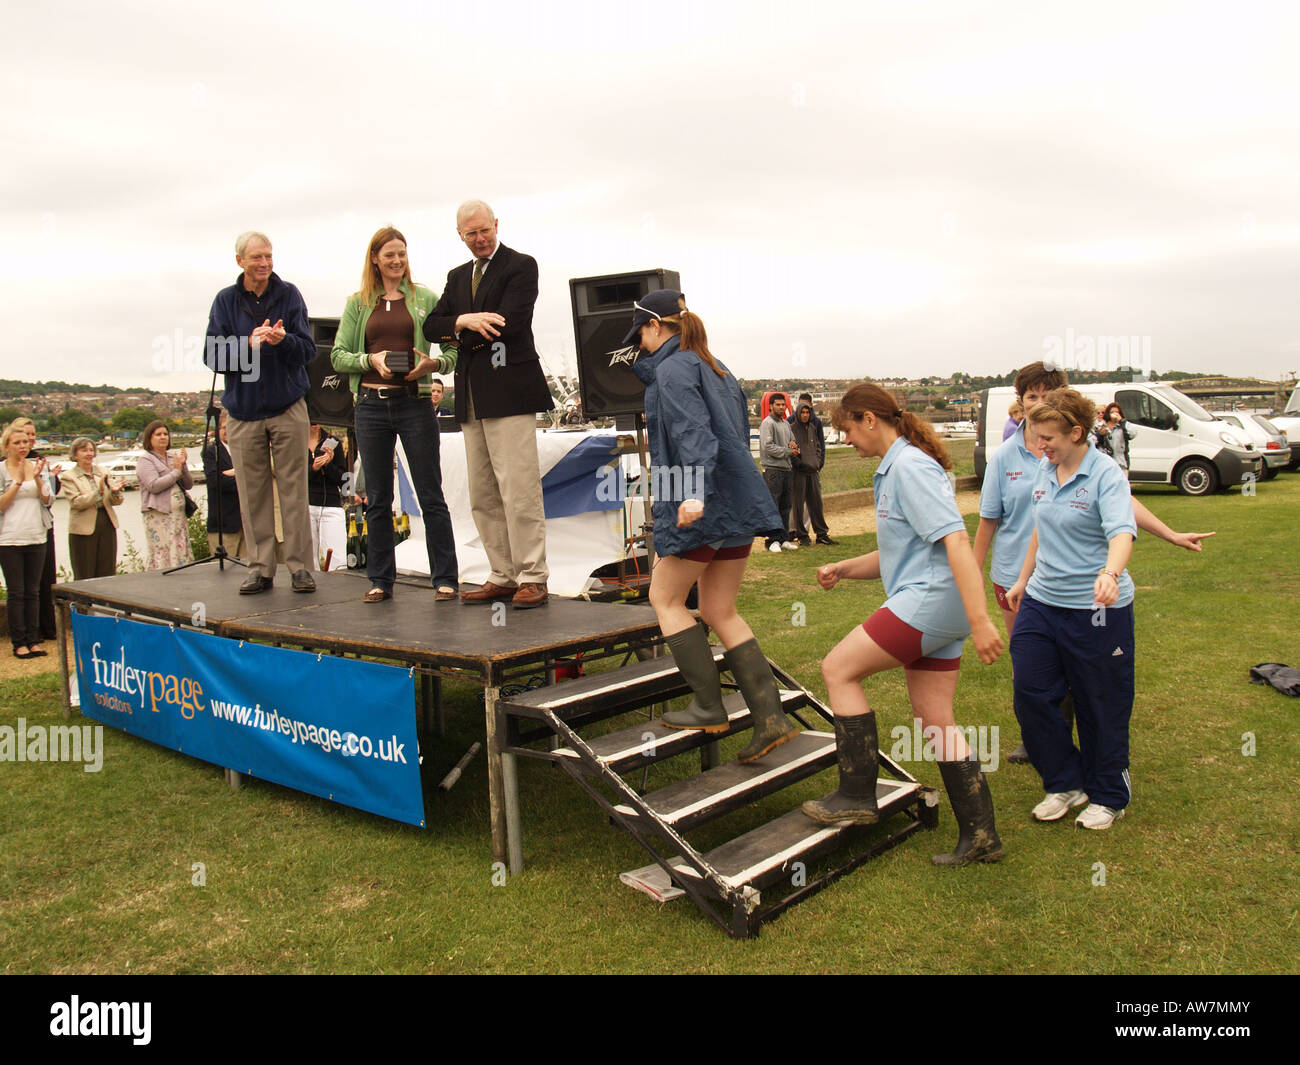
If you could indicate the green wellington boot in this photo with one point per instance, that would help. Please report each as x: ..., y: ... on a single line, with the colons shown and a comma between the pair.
x: 972, y: 806
x: 694, y: 658
x: 771, y: 727
x: 858, y: 754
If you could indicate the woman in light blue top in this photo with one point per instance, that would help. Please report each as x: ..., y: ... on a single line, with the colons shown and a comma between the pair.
x: 1074, y: 627
x: 935, y: 600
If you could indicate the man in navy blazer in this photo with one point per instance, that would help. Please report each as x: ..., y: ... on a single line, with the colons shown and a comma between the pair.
x: 487, y: 310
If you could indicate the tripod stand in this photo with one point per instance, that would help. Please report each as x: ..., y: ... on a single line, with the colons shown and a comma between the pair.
x: 211, y: 427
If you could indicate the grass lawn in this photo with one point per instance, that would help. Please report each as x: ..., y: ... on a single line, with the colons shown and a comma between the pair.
x: 1202, y: 876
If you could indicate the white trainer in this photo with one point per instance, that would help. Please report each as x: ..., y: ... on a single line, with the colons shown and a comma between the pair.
x: 774, y: 548
x: 1098, y: 817
x: 1056, y: 804
x: 789, y: 545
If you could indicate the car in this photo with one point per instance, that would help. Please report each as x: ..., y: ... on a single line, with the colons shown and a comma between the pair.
x: 1267, y: 439
x: 1289, y: 422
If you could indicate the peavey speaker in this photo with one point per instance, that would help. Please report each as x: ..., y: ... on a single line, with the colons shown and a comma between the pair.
x: 602, y: 315
x: 329, y: 400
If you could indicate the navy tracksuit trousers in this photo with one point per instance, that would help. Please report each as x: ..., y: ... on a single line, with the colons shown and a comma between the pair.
x: 1088, y: 653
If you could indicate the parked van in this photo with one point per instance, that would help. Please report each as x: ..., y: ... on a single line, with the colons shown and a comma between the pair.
x: 1175, y: 440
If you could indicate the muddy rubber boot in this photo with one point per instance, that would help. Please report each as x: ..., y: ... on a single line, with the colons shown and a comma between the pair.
x: 972, y: 806
x: 694, y: 659
x: 858, y: 755
x: 771, y: 727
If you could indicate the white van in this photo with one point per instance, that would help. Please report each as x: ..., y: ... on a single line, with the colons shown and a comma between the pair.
x: 1175, y: 440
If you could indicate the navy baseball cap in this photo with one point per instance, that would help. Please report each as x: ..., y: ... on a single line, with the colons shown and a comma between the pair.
x: 659, y: 304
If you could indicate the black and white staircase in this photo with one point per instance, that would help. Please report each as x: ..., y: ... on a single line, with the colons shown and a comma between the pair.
x: 760, y: 873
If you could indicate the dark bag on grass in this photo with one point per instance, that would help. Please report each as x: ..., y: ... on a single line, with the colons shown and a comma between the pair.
x: 1283, y: 678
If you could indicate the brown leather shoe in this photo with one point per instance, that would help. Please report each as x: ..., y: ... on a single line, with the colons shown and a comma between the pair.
x: 530, y: 595
x: 487, y: 593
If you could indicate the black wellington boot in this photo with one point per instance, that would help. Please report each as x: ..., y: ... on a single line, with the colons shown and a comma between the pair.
x: 771, y: 727
x: 857, y: 752
x: 972, y: 806
x: 694, y: 658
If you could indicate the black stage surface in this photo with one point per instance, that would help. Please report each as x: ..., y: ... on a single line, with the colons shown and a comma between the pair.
x: 480, y: 642
x: 411, y: 627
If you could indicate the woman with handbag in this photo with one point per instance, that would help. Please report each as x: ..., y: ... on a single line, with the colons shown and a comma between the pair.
x: 92, y: 522
x: 163, y: 478
x: 25, y: 519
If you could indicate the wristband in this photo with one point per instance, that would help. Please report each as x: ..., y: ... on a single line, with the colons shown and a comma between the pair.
x: 1108, y: 573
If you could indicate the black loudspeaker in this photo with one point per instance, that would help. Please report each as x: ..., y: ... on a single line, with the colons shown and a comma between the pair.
x: 602, y: 315
x: 329, y: 400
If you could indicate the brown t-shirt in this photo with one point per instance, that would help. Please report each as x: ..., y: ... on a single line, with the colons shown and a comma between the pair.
x: 389, y: 330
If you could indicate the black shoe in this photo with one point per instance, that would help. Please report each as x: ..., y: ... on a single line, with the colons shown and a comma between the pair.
x: 826, y: 541
x: 255, y: 583
x: 1020, y: 756
x: 805, y: 541
x: 302, y: 581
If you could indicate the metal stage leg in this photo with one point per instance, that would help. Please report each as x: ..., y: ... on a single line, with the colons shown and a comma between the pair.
x: 439, y: 720
x: 514, y: 836
x: 234, y: 778
x: 496, y: 776
x: 426, y: 691
x: 62, y: 627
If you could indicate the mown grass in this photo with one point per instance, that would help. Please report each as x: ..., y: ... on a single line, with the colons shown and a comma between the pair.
x: 1201, y: 877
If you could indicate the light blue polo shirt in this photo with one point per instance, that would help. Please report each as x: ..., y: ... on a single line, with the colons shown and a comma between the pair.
x: 1076, y: 522
x: 915, y: 510
x: 1005, y: 498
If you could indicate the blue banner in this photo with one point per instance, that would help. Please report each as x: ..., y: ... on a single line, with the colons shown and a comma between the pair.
x: 334, y: 727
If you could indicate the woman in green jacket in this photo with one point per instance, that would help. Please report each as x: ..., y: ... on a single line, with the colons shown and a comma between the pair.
x: 380, y: 345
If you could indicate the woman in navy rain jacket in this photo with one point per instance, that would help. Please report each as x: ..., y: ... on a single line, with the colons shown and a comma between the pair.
x: 709, y: 504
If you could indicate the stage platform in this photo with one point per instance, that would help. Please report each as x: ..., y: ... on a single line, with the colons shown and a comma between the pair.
x: 483, y: 643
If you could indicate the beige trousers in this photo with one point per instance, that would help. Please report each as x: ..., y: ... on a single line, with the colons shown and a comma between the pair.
x: 253, y: 446
x: 505, y: 495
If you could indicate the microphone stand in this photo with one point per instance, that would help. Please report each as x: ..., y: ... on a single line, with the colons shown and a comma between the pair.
x: 211, y: 424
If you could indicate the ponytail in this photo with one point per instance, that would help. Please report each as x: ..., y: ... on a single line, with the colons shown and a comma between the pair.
x: 885, y: 405
x: 688, y: 325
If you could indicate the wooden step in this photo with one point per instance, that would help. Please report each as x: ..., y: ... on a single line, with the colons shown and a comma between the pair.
x: 611, y: 692
x: 765, y: 856
x: 652, y: 741
x: 728, y: 787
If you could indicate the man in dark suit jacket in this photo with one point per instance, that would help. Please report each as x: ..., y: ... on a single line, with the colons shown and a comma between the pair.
x: 487, y: 309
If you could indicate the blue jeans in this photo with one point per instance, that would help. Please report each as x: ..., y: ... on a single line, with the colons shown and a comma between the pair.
x: 379, y: 423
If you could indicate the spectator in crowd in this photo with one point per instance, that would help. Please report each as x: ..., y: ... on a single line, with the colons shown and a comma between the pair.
x: 808, y: 460
x: 776, y: 449
x: 225, y: 521
x: 1015, y: 415
x: 26, y: 496
x: 92, y: 521
x: 164, y: 477
x: 328, y: 465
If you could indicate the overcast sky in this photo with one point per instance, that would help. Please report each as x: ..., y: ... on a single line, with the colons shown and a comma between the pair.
x: 892, y: 189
